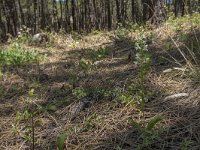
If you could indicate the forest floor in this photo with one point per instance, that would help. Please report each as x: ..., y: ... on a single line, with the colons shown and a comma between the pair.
x: 81, y: 98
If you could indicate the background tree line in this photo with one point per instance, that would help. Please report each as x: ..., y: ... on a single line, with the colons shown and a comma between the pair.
x: 86, y: 15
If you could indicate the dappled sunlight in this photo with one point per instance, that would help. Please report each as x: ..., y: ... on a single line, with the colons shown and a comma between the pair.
x: 105, y: 90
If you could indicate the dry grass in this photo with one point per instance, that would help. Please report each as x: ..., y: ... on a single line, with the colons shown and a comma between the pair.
x: 104, y: 124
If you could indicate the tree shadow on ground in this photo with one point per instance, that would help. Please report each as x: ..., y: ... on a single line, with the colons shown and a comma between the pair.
x: 178, y: 130
x: 180, y: 127
x: 106, y: 68
x: 177, y: 51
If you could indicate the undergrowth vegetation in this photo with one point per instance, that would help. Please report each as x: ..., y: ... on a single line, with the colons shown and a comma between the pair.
x: 93, y: 96
x: 16, y: 55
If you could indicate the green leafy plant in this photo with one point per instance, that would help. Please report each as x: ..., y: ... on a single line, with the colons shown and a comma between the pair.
x: 73, y: 80
x: 152, y: 123
x: 56, y: 104
x: 26, y: 117
x: 100, y: 54
x: 127, y: 99
x: 121, y: 33
x: 16, y: 55
x: 90, y: 122
x: 60, y: 142
x: 86, y: 65
x: 23, y: 116
x: 23, y: 38
x: 132, y: 94
x: 61, y: 138
x: 137, y: 93
x: 147, y: 131
x: 185, y: 144
x: 79, y: 92
x: 143, y: 61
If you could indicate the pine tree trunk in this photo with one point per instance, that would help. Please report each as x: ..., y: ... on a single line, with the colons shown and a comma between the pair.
x: 109, y: 17
x: 74, y: 14
x: 158, y: 14
x: 21, y: 13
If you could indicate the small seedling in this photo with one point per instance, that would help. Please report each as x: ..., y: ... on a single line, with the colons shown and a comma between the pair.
x: 79, y: 92
x: 147, y: 131
x: 143, y: 61
x: 60, y: 142
x: 26, y: 116
x: 185, y: 144
x: 86, y: 65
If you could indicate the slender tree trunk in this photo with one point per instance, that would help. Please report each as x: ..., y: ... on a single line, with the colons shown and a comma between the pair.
x: 55, y: 16
x: 118, y: 11
x: 35, y: 16
x: 158, y: 14
x: 61, y: 13
x: 178, y: 8
x: 95, y: 15
x: 74, y: 14
x: 2, y: 25
x: 12, y: 16
x: 21, y: 13
x: 43, y: 16
x: 109, y: 17
x: 133, y: 10
x: 67, y: 16
x: 145, y: 8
